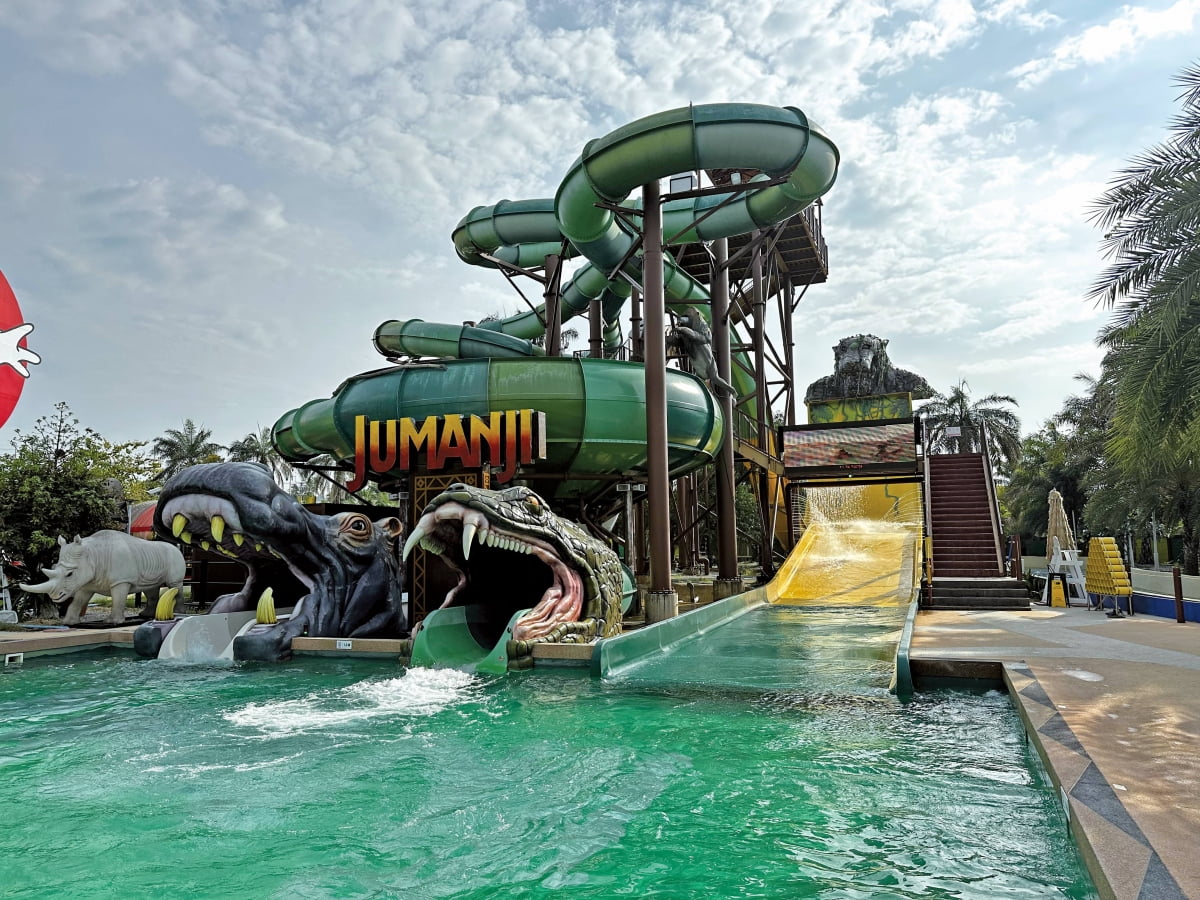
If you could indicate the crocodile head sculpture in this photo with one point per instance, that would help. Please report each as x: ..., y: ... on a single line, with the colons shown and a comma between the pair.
x: 509, y: 552
x: 345, y: 561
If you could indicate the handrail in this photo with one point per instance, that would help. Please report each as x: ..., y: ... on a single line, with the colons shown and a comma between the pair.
x: 993, y: 498
x: 926, y: 456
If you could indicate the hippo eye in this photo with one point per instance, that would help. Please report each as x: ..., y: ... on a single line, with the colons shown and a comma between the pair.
x: 356, y: 526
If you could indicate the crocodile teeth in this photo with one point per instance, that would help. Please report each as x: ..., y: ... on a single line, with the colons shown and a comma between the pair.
x: 217, y: 527
x: 178, y: 524
x: 468, y: 538
x: 413, y: 539
x: 239, y: 538
x: 185, y: 536
x: 204, y: 545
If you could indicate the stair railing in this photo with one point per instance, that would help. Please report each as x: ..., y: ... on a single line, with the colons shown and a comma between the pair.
x: 926, y: 447
x: 993, y: 497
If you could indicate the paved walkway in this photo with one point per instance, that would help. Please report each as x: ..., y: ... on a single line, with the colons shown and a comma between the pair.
x: 1113, y: 706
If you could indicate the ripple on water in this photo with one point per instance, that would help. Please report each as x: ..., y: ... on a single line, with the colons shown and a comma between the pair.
x: 324, y: 779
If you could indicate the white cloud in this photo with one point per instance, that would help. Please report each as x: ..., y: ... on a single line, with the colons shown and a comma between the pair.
x: 957, y: 218
x: 1121, y: 36
x: 1017, y: 11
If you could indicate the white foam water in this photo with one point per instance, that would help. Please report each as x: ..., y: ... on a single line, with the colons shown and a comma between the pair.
x: 419, y: 692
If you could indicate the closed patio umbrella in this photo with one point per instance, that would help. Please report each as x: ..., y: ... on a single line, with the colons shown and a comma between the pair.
x: 1057, y: 525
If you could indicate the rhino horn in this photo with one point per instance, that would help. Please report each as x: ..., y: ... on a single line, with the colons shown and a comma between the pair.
x: 36, y: 588
x: 50, y: 573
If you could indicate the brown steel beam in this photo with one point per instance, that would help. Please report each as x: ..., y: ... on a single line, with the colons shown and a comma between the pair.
x: 727, y: 569
x: 659, y: 603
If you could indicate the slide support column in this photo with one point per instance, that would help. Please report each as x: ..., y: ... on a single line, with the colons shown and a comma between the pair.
x: 728, y: 581
x: 661, y: 601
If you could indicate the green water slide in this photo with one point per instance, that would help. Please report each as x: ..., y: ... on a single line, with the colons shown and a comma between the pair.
x: 595, y: 412
x: 594, y: 407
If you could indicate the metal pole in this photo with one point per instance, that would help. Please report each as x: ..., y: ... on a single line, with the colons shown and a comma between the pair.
x: 765, y: 558
x: 636, y: 350
x: 596, y: 331
x: 631, y: 537
x: 1129, y: 550
x: 789, y: 347
x: 1177, y: 577
x: 728, y: 580
x: 553, y: 310
x: 661, y: 601
x: 1153, y: 539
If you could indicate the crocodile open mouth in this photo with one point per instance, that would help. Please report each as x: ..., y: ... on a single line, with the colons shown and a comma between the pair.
x: 500, y: 571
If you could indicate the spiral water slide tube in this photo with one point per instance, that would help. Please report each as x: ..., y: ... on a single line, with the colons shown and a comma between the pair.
x: 595, y: 407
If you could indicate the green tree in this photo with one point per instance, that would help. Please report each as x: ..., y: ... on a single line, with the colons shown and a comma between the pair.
x: 57, y: 480
x: 945, y: 412
x: 257, y: 447
x: 179, y: 448
x: 1151, y: 216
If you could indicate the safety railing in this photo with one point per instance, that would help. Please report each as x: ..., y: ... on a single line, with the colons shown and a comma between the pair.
x: 993, y: 497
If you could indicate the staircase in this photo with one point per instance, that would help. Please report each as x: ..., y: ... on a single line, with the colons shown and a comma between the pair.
x: 979, y: 593
x: 964, y: 541
x: 966, y: 571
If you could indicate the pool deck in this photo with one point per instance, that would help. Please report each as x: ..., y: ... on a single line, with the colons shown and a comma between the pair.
x: 1113, y: 708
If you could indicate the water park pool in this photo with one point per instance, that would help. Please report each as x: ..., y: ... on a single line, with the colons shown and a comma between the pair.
x: 348, y: 778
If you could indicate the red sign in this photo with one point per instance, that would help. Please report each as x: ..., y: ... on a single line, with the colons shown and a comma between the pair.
x: 15, y: 355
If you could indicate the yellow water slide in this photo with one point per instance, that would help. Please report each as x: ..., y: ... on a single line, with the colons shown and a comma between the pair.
x: 861, y: 547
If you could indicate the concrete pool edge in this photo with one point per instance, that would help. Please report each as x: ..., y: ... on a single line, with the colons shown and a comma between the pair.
x: 1092, y: 806
x: 55, y: 642
x: 1110, y: 707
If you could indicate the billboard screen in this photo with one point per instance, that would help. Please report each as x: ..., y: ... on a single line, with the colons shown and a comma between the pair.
x: 867, y: 447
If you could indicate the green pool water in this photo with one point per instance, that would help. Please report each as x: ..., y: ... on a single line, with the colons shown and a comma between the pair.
x: 336, y: 778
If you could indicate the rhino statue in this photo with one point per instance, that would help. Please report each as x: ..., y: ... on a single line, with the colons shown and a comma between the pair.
x: 112, y: 563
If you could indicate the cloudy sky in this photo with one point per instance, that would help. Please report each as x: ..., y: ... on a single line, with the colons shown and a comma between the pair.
x: 210, y: 205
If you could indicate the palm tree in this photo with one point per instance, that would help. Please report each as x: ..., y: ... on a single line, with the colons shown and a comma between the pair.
x: 987, y: 415
x: 183, y: 447
x: 1151, y: 215
x: 257, y: 447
